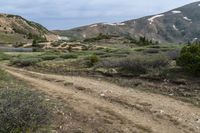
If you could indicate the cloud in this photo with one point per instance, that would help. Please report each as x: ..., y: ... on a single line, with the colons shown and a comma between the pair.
x: 62, y: 14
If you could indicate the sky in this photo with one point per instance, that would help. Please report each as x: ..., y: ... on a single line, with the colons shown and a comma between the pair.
x: 66, y: 14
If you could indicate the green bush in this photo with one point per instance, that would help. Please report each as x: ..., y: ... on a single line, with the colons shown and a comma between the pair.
x: 99, y: 37
x: 190, y: 58
x: 24, y: 62
x: 4, y: 56
x: 69, y: 56
x: 49, y: 57
x: 93, y: 60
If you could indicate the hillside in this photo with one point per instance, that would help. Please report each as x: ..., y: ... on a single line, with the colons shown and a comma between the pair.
x: 179, y: 25
x: 15, y: 29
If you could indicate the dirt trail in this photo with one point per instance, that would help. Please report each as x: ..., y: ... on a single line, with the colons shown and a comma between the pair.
x: 110, y: 108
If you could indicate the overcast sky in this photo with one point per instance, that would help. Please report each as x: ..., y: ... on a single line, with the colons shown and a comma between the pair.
x: 66, y: 14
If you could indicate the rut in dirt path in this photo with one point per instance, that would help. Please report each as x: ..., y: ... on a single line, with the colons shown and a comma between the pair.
x: 116, y: 109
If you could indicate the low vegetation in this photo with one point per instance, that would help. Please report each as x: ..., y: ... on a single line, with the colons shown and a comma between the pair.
x: 21, y: 109
x: 99, y: 37
x: 69, y: 56
x: 25, y: 61
x: 125, y: 65
x: 93, y: 59
x: 143, y: 41
x: 3, y: 56
x: 136, y: 65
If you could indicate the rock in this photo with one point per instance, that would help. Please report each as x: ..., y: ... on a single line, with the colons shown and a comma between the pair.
x: 198, y: 120
x: 161, y: 111
x: 79, y: 130
x: 47, y: 99
x: 102, y: 95
x: 54, y: 131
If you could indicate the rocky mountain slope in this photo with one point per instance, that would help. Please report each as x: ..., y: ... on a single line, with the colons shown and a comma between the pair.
x: 179, y: 25
x: 15, y: 29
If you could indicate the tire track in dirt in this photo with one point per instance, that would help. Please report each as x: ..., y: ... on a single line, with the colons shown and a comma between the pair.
x: 123, y: 108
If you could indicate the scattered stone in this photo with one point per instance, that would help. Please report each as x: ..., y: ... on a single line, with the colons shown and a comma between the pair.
x: 47, y: 99
x: 102, y: 95
x: 79, y: 130
x: 54, y: 131
x: 198, y: 120
x: 161, y: 111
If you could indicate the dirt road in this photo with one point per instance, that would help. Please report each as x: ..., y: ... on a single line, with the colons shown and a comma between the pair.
x: 103, y: 107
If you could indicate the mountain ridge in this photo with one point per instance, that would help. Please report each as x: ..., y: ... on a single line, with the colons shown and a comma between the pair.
x: 178, y: 25
x: 16, y: 29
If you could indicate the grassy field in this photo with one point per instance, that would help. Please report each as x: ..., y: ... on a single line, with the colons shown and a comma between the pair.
x: 102, y: 60
x: 148, y: 64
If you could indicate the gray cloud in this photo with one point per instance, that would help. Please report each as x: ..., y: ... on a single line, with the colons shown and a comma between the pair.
x: 63, y: 14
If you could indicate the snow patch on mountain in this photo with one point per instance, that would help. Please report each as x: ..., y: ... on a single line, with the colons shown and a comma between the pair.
x: 94, y: 25
x: 114, y: 24
x: 64, y: 38
x: 186, y: 18
x: 154, y: 17
x: 176, y: 12
x: 111, y: 24
x: 195, y: 39
x: 174, y: 26
x: 120, y: 23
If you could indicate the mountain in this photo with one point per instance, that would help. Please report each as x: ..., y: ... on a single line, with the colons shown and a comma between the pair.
x: 15, y: 29
x: 179, y: 25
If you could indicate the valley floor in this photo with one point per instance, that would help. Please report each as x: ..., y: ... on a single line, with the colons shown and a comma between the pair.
x: 99, y: 106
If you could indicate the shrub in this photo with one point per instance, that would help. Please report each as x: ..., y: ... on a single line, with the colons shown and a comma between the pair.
x: 35, y: 44
x: 21, y: 111
x: 136, y: 65
x: 49, y: 57
x: 24, y: 62
x: 69, y: 56
x: 190, y: 58
x: 152, y: 51
x: 93, y: 60
x: 99, y: 37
